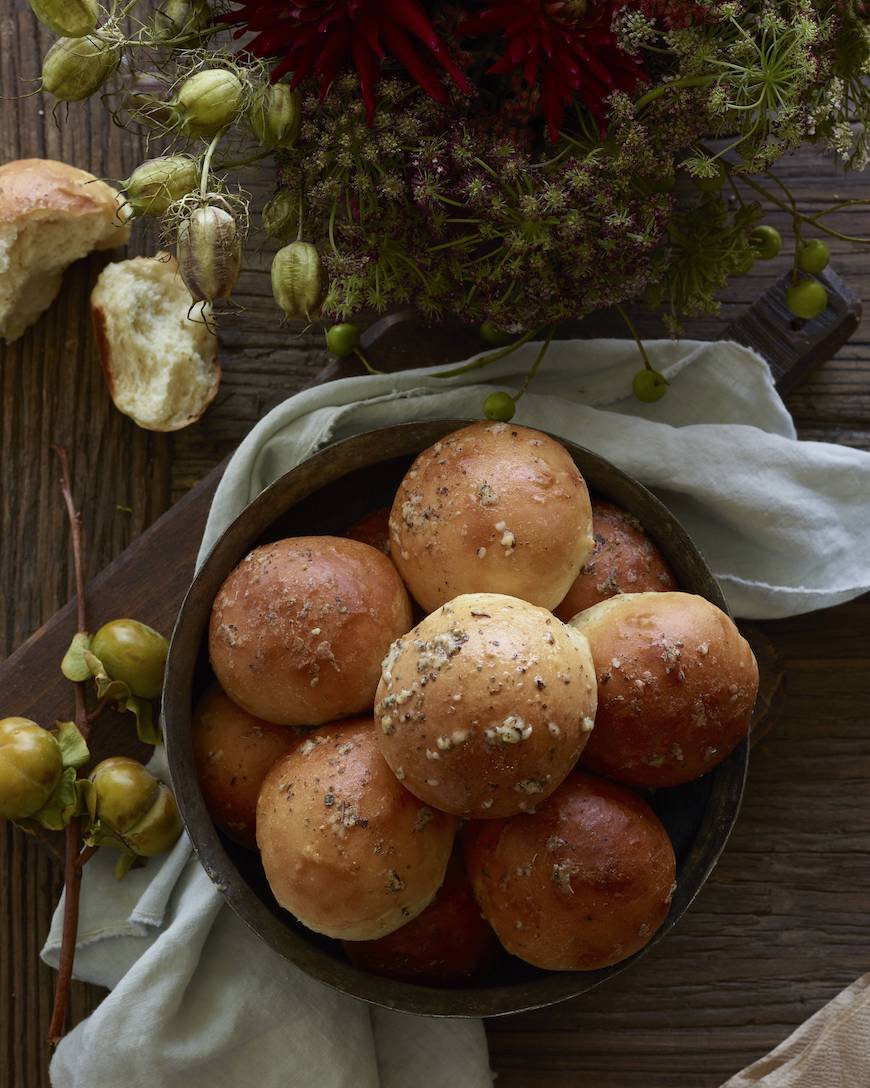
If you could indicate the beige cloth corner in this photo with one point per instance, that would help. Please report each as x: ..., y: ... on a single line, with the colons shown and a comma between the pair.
x: 831, y: 1050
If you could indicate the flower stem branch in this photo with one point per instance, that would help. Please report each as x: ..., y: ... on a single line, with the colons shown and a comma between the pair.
x: 72, y: 870
x: 631, y: 328
x: 485, y: 360
x: 539, y: 358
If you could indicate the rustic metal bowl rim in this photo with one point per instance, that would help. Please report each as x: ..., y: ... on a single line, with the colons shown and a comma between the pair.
x: 192, y: 622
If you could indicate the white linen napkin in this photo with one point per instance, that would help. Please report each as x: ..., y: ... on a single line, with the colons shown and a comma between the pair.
x: 196, y: 999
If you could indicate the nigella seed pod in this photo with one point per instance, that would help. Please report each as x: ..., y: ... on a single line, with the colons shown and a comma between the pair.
x: 69, y: 18
x: 275, y: 116
x: 76, y: 67
x: 208, y: 101
x: 299, y: 281
x: 129, y: 802
x: 181, y: 19
x: 281, y: 215
x: 154, y: 185
x: 209, y: 253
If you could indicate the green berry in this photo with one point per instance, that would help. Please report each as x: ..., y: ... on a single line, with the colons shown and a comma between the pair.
x: 133, y: 653
x: 129, y: 801
x: 494, y: 336
x: 766, y: 241
x: 500, y: 406
x: 806, y: 299
x: 342, y: 340
x: 813, y: 256
x: 30, y: 767
x: 649, y: 386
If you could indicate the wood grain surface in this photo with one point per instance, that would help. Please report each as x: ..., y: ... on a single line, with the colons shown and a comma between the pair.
x: 782, y: 925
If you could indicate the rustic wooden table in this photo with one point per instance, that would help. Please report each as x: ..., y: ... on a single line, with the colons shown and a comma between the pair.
x: 783, y: 923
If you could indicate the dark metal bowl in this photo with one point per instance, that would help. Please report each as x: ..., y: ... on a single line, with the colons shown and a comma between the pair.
x: 324, y: 495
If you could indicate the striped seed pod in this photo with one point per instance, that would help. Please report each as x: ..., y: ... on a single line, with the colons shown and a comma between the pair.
x: 154, y: 185
x: 76, y: 67
x: 209, y: 252
x: 299, y: 281
x: 208, y: 101
x: 275, y: 116
x: 69, y: 18
x: 178, y: 20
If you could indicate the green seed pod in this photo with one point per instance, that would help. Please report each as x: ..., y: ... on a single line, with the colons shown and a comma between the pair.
x: 30, y: 767
x: 69, y: 18
x: 281, y: 215
x: 208, y: 101
x: 130, y: 803
x: 133, y: 653
x: 177, y: 20
x: 275, y: 116
x: 209, y: 253
x: 299, y: 281
x: 154, y: 185
x: 76, y: 67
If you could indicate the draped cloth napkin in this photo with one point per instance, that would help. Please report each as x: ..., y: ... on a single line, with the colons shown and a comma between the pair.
x: 196, y: 999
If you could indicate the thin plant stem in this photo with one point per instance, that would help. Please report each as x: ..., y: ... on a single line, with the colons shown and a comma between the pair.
x: 366, y: 363
x: 71, y: 887
x: 539, y: 358
x: 206, y: 164
x: 72, y: 871
x: 624, y: 315
x: 85, y: 856
x: 485, y: 360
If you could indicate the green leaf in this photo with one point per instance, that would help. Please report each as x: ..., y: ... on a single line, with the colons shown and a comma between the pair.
x: 147, y: 729
x: 100, y: 835
x: 115, y: 691
x: 73, y: 747
x: 62, y: 805
x: 124, y: 864
x: 95, y: 666
x: 74, y: 667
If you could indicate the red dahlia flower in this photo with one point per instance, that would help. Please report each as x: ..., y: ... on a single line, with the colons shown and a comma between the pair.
x: 318, y: 37
x: 566, y: 46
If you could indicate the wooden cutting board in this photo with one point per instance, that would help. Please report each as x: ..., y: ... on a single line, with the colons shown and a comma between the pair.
x: 149, y: 579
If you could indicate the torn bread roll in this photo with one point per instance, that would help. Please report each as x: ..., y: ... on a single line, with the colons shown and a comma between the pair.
x: 300, y: 627
x: 583, y: 883
x: 623, y: 560
x: 491, y: 508
x: 345, y: 848
x: 160, y: 364
x: 51, y: 214
x: 676, y: 686
x: 483, y: 709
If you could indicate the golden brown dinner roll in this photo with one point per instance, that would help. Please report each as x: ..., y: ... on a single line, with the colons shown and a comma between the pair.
x: 51, y: 214
x: 233, y: 750
x: 447, y: 945
x: 373, y: 529
x: 581, y: 884
x: 493, y: 508
x: 345, y: 848
x: 298, y: 630
x: 484, y: 707
x: 676, y: 687
x: 623, y: 560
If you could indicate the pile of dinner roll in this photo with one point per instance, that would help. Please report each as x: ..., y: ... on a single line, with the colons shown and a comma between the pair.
x: 435, y: 793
